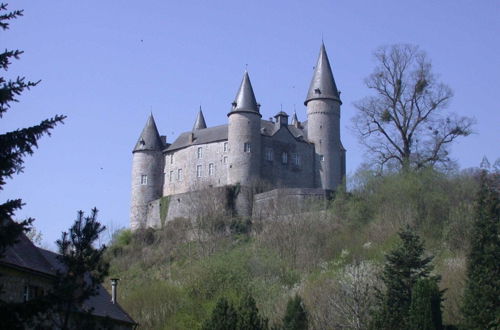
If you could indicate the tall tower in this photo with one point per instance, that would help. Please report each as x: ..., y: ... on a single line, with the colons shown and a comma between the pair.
x: 147, y: 173
x: 244, y: 136
x: 323, y: 125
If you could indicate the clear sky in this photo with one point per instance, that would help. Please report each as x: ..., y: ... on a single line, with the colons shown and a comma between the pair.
x: 107, y: 64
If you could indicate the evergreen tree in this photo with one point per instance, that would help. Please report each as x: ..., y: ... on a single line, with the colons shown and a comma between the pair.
x: 296, y: 315
x: 84, y: 269
x: 425, y: 307
x: 224, y: 317
x: 481, y: 307
x: 248, y: 315
x: 404, y: 266
x: 16, y: 144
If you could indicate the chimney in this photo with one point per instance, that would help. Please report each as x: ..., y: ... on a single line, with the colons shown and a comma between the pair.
x: 114, y: 284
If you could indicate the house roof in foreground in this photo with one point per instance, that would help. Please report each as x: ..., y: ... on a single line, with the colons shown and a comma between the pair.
x: 24, y: 255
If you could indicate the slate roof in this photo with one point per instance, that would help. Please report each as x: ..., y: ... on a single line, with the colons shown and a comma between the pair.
x: 245, y: 98
x: 219, y: 133
x: 101, y: 303
x: 322, y: 84
x: 149, y: 138
x: 26, y: 256
x: 200, y: 121
x: 201, y: 136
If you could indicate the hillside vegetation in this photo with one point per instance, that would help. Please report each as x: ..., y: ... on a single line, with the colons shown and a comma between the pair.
x: 172, y: 278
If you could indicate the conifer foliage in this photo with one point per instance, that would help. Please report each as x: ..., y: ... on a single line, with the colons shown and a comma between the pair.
x: 245, y: 317
x: 404, y: 266
x: 425, y: 308
x: 482, y: 293
x: 83, y: 270
x: 296, y: 315
x: 15, y: 145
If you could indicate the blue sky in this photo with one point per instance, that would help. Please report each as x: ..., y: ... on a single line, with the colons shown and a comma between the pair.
x: 107, y: 64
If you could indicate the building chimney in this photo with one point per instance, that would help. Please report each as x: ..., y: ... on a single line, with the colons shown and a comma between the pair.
x: 114, y: 284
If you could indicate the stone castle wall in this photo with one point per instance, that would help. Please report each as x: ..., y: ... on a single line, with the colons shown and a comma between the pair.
x: 234, y: 199
x: 187, y: 160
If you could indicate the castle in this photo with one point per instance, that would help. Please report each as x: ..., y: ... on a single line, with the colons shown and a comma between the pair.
x: 305, y: 157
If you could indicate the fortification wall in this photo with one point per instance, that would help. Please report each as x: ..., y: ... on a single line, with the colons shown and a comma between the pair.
x: 284, y: 201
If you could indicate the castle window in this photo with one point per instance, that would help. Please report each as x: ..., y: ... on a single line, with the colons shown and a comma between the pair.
x: 171, y: 176
x: 295, y: 159
x: 225, y: 146
x: 247, y: 147
x: 225, y: 160
x: 144, y: 179
x: 198, y: 171
x: 171, y: 158
x: 200, y: 152
x: 269, y: 154
x: 179, y: 174
x: 211, y: 169
x: 31, y: 292
x: 284, y: 158
x: 322, y: 158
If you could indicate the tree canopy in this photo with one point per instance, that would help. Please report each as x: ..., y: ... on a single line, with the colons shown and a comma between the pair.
x: 403, y: 124
x: 482, y: 293
x: 17, y: 144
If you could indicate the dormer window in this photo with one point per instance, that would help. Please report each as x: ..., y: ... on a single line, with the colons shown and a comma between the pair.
x: 317, y: 91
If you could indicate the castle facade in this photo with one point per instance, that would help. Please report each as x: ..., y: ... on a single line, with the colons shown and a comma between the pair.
x: 282, y: 153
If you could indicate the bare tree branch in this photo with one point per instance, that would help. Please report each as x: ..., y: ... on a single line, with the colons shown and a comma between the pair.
x: 403, y: 124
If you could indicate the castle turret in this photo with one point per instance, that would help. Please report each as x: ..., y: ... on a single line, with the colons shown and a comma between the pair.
x: 323, y: 125
x: 147, y: 173
x: 200, y: 121
x: 244, y: 136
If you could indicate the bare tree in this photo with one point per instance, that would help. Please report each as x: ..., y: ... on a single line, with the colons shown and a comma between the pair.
x: 404, y: 123
x: 355, y: 295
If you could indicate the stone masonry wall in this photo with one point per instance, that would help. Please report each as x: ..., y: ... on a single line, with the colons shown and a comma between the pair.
x: 187, y: 160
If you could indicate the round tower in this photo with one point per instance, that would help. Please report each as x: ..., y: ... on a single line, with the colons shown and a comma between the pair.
x: 323, y: 125
x: 244, y: 136
x: 147, y: 173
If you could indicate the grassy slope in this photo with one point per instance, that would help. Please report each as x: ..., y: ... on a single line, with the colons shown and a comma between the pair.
x: 171, y: 278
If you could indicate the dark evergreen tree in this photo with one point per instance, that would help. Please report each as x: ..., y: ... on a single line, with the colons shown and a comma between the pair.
x: 295, y: 315
x: 404, y: 266
x: 425, y: 307
x: 224, y: 317
x: 481, y: 307
x: 84, y: 269
x: 248, y: 315
x: 15, y: 145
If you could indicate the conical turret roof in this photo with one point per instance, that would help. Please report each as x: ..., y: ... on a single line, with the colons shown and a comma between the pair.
x: 245, y: 98
x: 322, y: 84
x: 295, y: 120
x: 200, y: 121
x: 150, y: 138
